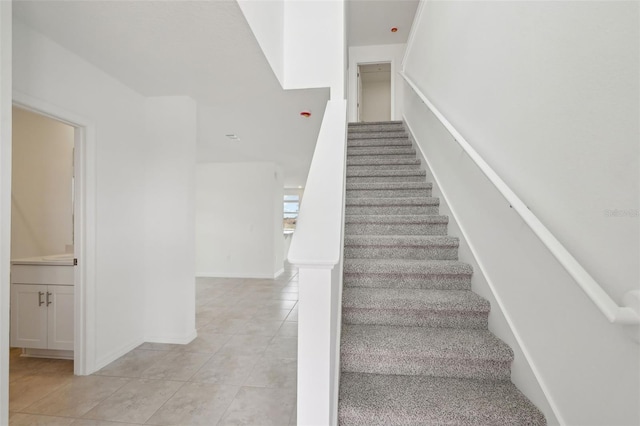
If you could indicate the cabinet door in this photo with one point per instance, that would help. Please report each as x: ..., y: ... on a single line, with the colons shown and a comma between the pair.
x: 60, y: 319
x: 29, y: 316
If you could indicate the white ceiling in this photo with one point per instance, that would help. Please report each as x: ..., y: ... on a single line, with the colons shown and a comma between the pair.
x: 370, y: 21
x: 202, y: 49
x: 206, y: 50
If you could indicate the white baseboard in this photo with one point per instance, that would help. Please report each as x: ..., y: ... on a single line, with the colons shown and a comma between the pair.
x: 178, y: 340
x: 277, y: 274
x: 234, y: 275
x: 115, y: 354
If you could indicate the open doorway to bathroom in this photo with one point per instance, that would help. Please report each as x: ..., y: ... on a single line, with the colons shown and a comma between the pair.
x: 43, y: 235
x: 374, y: 92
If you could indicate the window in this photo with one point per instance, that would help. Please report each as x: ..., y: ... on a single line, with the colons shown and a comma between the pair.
x: 291, y: 209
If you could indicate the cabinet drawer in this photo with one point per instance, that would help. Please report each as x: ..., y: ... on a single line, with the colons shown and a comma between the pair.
x: 42, y: 274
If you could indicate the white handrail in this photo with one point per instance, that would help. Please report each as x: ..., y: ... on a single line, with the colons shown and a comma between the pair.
x: 317, y: 239
x: 614, y: 313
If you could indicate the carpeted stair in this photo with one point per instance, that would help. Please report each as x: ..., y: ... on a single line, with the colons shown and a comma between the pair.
x: 415, y: 345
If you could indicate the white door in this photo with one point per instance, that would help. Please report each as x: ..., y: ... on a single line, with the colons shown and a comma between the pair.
x: 29, y: 316
x: 359, y: 93
x: 60, y: 313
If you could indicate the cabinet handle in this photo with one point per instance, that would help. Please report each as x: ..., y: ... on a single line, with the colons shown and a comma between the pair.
x: 40, y: 301
x: 48, y: 301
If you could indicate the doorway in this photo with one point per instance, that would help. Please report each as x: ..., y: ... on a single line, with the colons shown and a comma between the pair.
x: 78, y: 343
x: 374, y: 92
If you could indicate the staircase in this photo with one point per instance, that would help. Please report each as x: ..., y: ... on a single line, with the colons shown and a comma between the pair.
x: 415, y: 345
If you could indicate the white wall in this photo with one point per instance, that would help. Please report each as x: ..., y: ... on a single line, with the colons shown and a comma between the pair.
x: 5, y: 200
x: 295, y: 39
x: 239, y: 220
x: 171, y: 123
x: 266, y: 19
x: 375, y: 104
x: 46, y: 72
x: 546, y: 92
x: 392, y: 53
x: 41, y: 195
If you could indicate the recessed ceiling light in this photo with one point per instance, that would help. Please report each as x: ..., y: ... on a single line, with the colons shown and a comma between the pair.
x: 394, y: 30
x: 305, y: 113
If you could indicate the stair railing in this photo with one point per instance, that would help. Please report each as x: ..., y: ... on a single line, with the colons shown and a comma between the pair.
x: 625, y: 315
x: 316, y: 249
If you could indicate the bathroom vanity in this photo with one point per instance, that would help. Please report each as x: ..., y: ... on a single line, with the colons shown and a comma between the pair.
x: 42, y: 306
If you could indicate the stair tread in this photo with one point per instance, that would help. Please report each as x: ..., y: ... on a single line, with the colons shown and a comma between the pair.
x: 424, y: 342
x: 396, y: 201
x: 388, y: 185
x: 407, y: 266
x: 375, y: 171
x: 353, y: 135
x: 413, y: 299
x: 371, y: 399
x: 401, y: 240
x: 396, y: 219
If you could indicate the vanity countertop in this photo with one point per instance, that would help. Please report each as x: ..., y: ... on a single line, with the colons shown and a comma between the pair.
x: 52, y: 260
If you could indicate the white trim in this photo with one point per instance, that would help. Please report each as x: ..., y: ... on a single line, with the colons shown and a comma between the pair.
x: 85, y: 226
x: 177, y: 340
x: 609, y: 308
x: 278, y: 273
x: 5, y: 200
x: 234, y: 275
x: 115, y: 354
x: 412, y: 33
x: 487, y: 277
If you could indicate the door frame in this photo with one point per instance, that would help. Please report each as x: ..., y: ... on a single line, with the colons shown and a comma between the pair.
x: 84, y: 238
x: 391, y: 87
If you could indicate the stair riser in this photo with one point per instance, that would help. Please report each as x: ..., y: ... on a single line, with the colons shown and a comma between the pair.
x: 385, y: 210
x: 358, y: 168
x: 376, y: 135
x: 417, y: 253
x: 400, y: 280
x: 380, y: 151
x: 376, y: 128
x: 388, y: 193
x: 395, y: 229
x: 416, y: 318
x: 414, y: 366
x: 383, y: 179
x: 359, y: 143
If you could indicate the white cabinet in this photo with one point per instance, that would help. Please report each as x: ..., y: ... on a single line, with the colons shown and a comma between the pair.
x: 42, y: 313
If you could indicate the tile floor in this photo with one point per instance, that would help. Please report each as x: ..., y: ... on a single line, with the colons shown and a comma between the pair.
x: 240, y: 370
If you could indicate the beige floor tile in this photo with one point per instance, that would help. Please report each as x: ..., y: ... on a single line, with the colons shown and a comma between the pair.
x: 274, y: 373
x: 261, y: 328
x: 225, y: 326
x: 280, y: 304
x: 245, y: 345
x: 90, y: 422
x: 177, y: 365
x: 282, y: 347
x: 21, y: 419
x: 32, y: 388
x: 135, y: 402
x: 77, y: 397
x: 232, y: 370
x: 132, y: 364
x: 151, y: 346
x: 271, y: 315
x: 288, y: 329
x: 206, y: 342
x: 195, y: 404
x: 285, y: 295
x: 293, y: 316
x: 260, y: 406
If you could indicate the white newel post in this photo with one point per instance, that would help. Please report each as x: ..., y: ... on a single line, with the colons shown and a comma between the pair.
x: 314, y: 346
